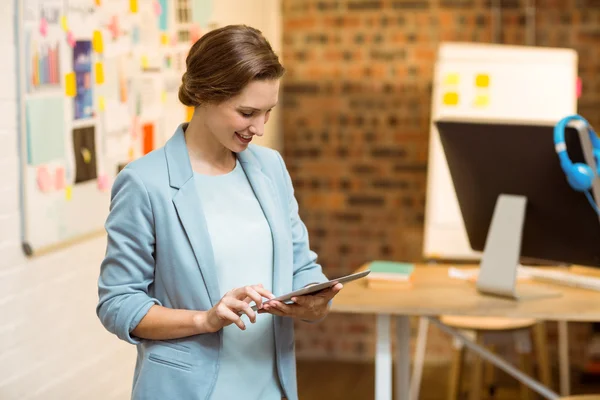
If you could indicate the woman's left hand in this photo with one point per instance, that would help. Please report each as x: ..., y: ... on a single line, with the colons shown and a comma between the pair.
x: 308, y: 307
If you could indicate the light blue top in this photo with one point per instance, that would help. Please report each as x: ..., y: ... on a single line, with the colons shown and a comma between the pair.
x: 159, y: 252
x: 243, y: 252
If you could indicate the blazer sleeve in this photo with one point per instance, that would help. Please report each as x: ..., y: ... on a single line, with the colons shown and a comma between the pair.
x: 306, y: 269
x: 127, y: 270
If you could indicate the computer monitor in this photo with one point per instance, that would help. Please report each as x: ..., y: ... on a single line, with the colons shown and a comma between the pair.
x: 514, y: 197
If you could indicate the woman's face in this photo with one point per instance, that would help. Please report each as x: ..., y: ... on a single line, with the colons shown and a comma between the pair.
x: 236, y: 121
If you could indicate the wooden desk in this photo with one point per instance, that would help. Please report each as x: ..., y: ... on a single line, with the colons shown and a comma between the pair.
x: 434, y: 293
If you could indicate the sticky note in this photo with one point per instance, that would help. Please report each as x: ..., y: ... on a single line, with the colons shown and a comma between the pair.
x: 99, y: 73
x: 70, y: 39
x: 482, y: 80
x: 157, y: 8
x: 131, y: 153
x: 59, y: 178
x: 43, y: 27
x: 164, y: 39
x: 70, y: 84
x: 451, y: 79
x: 102, y: 182
x: 190, y: 113
x: 578, y: 88
x: 98, y: 2
x: 101, y: 103
x: 450, y: 98
x: 97, y: 42
x: 44, y: 180
x: 163, y: 96
x: 482, y: 100
x: 133, y: 6
x: 63, y: 23
x: 145, y: 62
x: 68, y: 193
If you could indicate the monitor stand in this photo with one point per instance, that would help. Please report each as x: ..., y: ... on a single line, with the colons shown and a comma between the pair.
x: 500, y: 259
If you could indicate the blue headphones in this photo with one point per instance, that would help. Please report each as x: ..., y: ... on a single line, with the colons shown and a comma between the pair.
x: 580, y: 176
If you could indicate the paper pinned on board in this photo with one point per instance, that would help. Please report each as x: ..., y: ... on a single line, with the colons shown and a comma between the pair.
x: 482, y: 100
x: 99, y: 73
x: 97, y: 42
x: 482, y: 80
x: 450, y: 99
x: 451, y: 79
x: 70, y: 84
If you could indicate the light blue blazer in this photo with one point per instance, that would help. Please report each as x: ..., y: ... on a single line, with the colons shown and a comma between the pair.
x: 159, y: 252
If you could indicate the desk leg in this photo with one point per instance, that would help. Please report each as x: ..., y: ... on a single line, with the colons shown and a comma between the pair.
x: 419, y: 359
x: 402, y: 357
x: 563, y: 358
x: 383, y: 359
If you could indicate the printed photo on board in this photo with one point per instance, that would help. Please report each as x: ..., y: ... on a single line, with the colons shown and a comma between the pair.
x: 82, y: 65
x: 84, y: 147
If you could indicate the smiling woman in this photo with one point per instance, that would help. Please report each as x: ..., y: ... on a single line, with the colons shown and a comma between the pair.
x: 203, y: 227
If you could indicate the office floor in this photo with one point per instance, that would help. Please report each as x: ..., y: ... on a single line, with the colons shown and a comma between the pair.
x: 331, y: 380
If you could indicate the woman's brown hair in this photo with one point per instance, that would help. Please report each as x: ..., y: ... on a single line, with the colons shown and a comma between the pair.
x: 223, y: 61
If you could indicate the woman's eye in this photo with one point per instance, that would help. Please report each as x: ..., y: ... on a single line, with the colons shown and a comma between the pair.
x: 246, y: 115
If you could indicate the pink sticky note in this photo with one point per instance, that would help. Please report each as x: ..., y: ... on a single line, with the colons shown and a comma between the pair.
x: 579, y: 87
x: 174, y: 40
x: 44, y: 180
x: 157, y: 8
x: 113, y: 27
x: 70, y: 39
x: 43, y: 26
x: 195, y: 33
x: 102, y: 182
x: 134, y: 127
x: 59, y: 178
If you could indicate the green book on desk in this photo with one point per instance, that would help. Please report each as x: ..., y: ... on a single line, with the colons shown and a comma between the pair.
x: 390, y: 271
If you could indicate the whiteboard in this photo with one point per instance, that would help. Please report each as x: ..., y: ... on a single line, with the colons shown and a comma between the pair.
x: 487, y: 82
x: 98, y: 84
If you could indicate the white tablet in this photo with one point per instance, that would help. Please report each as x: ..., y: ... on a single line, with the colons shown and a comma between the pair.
x: 286, y: 298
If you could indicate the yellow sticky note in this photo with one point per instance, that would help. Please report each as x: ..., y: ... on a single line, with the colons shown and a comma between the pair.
x: 190, y: 113
x: 482, y: 100
x: 68, y: 192
x: 70, y: 85
x: 131, y: 153
x: 163, y: 97
x: 98, y: 2
x: 164, y: 39
x: 482, y: 80
x: 99, y: 73
x: 450, y: 98
x: 133, y: 6
x: 451, y: 79
x: 63, y: 23
x: 145, y: 62
x: 97, y: 42
x: 101, y: 103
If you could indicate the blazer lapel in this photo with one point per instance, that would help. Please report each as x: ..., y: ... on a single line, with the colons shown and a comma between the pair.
x: 190, y: 212
x: 267, y: 196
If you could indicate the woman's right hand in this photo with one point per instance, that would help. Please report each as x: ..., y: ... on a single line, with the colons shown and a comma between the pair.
x: 236, y: 302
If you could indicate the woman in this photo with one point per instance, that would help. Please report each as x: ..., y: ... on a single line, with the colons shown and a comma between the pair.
x: 203, y: 227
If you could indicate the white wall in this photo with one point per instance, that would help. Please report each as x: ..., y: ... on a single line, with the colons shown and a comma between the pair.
x: 52, y: 345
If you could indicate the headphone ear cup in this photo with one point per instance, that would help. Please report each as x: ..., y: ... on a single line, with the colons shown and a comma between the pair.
x: 580, y: 177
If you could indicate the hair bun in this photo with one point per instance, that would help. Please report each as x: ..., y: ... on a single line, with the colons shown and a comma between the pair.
x: 185, y: 97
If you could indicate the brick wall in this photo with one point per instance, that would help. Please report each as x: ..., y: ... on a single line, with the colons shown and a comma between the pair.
x: 356, y: 113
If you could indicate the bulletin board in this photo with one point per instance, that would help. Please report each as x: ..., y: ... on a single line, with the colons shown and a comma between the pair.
x: 98, y: 88
x: 488, y: 82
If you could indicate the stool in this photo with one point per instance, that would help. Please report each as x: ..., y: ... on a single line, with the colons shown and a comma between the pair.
x: 478, y: 327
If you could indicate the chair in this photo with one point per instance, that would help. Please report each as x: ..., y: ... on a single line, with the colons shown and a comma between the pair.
x: 480, y: 327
